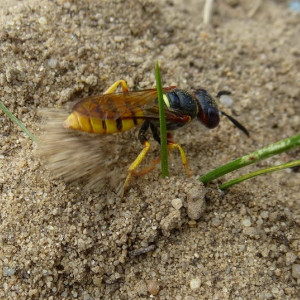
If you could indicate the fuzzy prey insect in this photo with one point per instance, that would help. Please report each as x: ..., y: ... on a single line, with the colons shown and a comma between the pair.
x: 114, y: 112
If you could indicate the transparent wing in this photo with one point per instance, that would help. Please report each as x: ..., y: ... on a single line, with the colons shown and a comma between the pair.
x: 121, y: 105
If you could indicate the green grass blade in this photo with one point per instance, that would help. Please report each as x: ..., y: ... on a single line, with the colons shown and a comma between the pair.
x: 260, y: 172
x: 270, y: 150
x: 17, y: 121
x: 163, y: 126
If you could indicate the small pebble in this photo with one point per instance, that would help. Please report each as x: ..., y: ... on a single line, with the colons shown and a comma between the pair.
x: 246, y: 222
x: 195, y: 284
x: 290, y: 258
x: 54, y: 212
x: 170, y: 222
x: 192, y: 223
x: 226, y: 100
x: 52, y: 63
x: 92, y: 80
x: 296, y: 271
x: 98, y: 281
x: 74, y: 294
x: 42, y: 21
x: 265, y: 252
x: 152, y: 286
x: 215, y: 222
x: 119, y: 38
x: 177, y: 203
x: 8, y: 271
x: 265, y: 214
x: 277, y: 272
x: 196, y: 204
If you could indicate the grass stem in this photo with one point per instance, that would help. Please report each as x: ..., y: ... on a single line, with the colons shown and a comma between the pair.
x: 270, y: 150
x: 17, y: 122
x: 259, y: 172
x: 163, y: 126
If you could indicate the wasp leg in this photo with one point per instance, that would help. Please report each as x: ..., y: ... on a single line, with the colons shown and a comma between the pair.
x: 135, y: 164
x: 156, y: 137
x: 114, y: 86
x: 140, y: 157
x: 155, y: 133
x: 172, y: 146
x: 149, y: 168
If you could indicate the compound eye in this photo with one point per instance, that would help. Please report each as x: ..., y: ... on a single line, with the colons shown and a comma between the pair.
x: 208, y: 113
x: 213, y: 117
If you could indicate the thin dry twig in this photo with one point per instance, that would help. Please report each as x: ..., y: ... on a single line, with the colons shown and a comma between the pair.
x: 207, y: 11
x: 255, y: 8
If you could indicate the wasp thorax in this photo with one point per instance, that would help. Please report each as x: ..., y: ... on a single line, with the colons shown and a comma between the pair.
x: 208, y: 112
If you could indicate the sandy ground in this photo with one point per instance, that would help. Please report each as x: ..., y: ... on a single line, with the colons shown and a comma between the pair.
x: 61, y: 241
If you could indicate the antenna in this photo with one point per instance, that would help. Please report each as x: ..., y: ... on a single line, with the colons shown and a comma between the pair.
x: 236, y: 123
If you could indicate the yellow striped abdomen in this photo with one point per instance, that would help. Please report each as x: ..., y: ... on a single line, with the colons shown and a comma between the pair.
x: 82, y: 122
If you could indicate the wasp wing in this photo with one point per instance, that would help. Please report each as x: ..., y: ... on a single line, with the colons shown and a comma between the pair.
x: 120, y: 105
x: 171, y: 115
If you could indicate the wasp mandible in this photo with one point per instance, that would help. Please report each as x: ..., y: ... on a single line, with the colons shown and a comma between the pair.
x: 114, y: 112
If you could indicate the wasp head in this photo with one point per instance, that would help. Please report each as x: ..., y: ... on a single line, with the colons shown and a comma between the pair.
x: 208, y: 112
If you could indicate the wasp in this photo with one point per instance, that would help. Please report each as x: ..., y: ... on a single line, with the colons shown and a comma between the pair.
x: 114, y: 112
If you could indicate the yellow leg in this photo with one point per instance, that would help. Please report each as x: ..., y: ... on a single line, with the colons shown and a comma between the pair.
x: 183, y: 156
x: 134, y: 165
x: 114, y: 86
x: 147, y: 169
x: 171, y: 146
